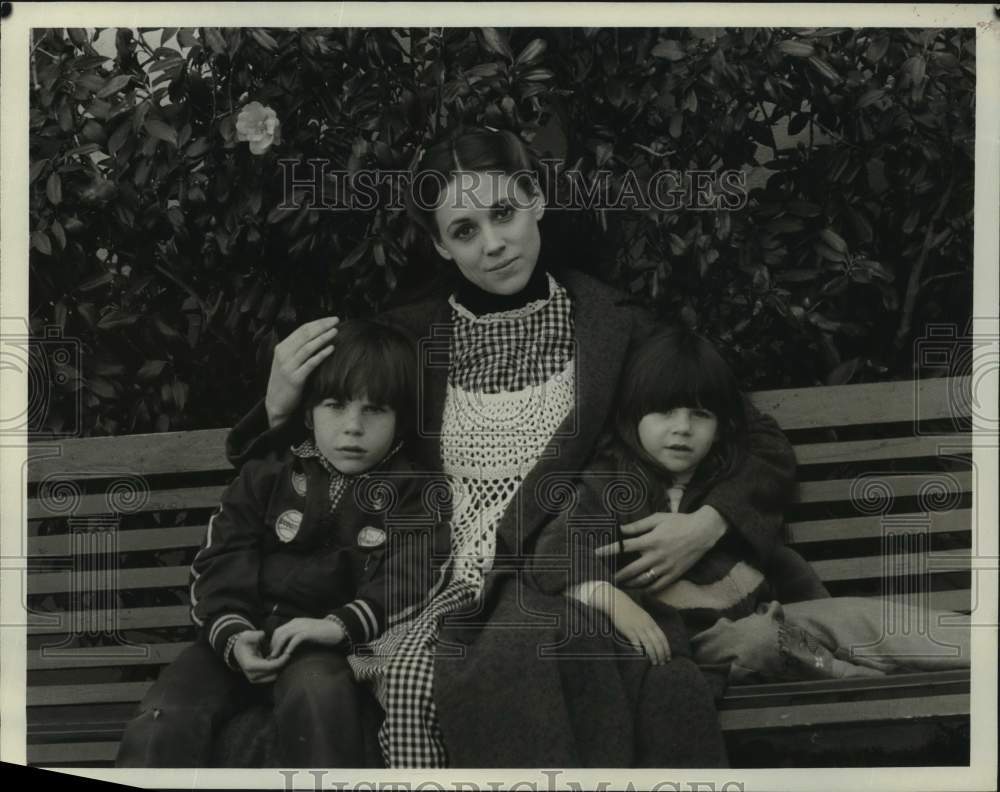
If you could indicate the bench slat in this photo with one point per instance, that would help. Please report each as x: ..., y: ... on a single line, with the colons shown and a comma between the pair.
x: 138, y: 540
x: 836, y: 569
x: 69, y: 753
x: 799, y: 715
x: 124, y: 619
x: 736, y: 695
x: 852, y: 405
x: 130, y: 578
x: 901, y: 485
x: 208, y: 497
x: 883, y: 448
x: 799, y: 533
x: 101, y: 657
x: 145, y: 454
x: 86, y: 505
x: 188, y: 536
x: 112, y: 692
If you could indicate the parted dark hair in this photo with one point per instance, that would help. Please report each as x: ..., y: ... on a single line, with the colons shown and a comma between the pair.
x: 374, y: 360
x: 467, y: 150
x: 676, y: 367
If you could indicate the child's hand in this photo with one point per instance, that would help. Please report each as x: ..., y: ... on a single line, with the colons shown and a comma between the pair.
x: 325, y: 632
x: 256, y: 668
x: 637, y: 626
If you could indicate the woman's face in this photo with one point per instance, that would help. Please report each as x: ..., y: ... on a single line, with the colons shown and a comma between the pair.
x: 488, y: 226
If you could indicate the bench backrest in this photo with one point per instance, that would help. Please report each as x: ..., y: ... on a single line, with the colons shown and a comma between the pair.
x: 884, y: 508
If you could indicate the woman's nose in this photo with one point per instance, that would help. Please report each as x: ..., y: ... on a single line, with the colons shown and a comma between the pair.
x: 682, y: 422
x: 492, y: 241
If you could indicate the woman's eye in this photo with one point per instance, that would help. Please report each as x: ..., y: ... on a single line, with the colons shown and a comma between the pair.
x: 704, y: 414
x: 375, y: 409
x: 333, y: 404
x: 464, y: 232
x: 504, y: 212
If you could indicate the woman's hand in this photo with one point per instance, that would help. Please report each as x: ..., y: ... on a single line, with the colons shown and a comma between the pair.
x: 289, y: 635
x: 668, y: 544
x: 256, y: 668
x: 295, y: 358
x: 635, y: 625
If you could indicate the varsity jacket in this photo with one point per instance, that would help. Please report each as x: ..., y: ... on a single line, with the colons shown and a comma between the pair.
x: 291, y: 540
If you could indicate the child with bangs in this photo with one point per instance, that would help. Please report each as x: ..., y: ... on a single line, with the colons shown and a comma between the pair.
x: 680, y: 429
x: 302, y: 560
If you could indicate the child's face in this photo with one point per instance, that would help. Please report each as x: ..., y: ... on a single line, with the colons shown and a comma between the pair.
x: 488, y: 226
x: 679, y: 439
x: 353, y: 435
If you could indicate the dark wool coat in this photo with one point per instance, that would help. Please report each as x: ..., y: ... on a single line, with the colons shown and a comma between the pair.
x: 502, y: 700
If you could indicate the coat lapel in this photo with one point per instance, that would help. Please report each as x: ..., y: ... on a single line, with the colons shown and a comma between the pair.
x: 602, y: 331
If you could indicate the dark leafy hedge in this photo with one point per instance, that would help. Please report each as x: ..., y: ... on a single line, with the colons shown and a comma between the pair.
x: 160, y: 241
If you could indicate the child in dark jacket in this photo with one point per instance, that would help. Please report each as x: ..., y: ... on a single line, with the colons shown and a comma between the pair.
x: 680, y: 428
x: 309, y: 553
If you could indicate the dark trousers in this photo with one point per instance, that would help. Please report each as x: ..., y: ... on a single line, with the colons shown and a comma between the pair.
x: 317, y: 708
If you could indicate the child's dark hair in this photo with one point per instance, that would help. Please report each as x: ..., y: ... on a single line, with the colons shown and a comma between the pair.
x: 373, y: 360
x: 676, y: 367
x: 467, y: 150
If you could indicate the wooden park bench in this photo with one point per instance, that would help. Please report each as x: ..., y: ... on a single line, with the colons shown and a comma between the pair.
x: 884, y: 508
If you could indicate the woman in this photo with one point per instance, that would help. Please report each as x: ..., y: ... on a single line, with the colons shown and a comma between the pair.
x: 520, y: 365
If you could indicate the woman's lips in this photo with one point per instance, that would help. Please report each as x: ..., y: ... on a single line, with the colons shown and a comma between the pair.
x: 503, y: 266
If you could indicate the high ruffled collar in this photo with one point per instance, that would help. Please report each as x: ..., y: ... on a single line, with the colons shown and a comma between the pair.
x: 479, y: 301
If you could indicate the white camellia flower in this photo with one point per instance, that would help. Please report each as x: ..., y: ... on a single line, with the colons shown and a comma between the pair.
x: 258, y: 125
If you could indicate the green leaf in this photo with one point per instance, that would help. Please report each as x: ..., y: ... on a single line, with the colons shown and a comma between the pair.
x: 198, y: 148
x: 58, y: 234
x: 118, y: 137
x: 116, y: 319
x: 531, y: 53
x: 265, y: 39
x: 78, y: 36
x: 877, y: 269
x: 161, y: 131
x: 669, y: 49
x: 36, y: 169
x: 825, y: 69
x: 214, y: 40
x: 496, y: 42
x: 833, y: 239
x: 355, y: 255
x: 53, y: 189
x: 870, y: 98
x: 180, y: 393
x: 91, y: 81
x: 877, y: 49
x: 537, y: 75
x: 798, y: 123
x: 40, y: 241
x: 843, y: 373
x: 114, y: 85
x: 796, y: 49
x: 151, y: 369
x: 828, y: 253
x: 101, y: 387
x: 187, y: 38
